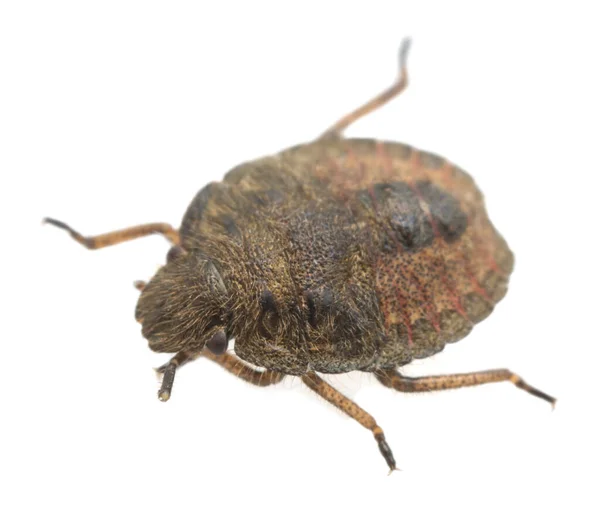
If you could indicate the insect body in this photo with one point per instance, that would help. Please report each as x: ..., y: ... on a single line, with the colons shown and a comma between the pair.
x: 332, y: 256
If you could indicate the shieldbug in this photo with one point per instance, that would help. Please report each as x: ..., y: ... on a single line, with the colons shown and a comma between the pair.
x: 332, y: 256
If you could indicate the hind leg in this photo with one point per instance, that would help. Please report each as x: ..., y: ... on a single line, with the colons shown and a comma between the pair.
x: 387, y: 95
x: 393, y: 379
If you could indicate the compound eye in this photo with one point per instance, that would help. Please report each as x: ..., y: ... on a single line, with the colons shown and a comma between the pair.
x: 217, y: 344
x: 175, y: 252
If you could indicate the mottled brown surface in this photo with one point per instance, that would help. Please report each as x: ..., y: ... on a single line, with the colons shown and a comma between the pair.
x: 332, y: 256
x: 348, y: 254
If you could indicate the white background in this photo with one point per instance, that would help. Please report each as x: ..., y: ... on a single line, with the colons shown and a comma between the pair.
x: 115, y: 113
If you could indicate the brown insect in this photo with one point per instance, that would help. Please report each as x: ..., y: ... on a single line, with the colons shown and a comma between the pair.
x: 332, y: 256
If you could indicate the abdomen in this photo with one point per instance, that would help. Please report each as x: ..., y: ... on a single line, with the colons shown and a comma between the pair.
x: 438, y: 264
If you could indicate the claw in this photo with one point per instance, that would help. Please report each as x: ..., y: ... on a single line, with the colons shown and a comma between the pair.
x: 73, y: 233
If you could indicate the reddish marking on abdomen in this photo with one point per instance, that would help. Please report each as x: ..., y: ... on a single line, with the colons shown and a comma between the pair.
x: 387, y: 166
x: 457, y: 304
x: 493, y: 264
x: 404, y: 307
x: 416, y: 164
x: 402, y: 301
x: 479, y: 289
x: 471, y: 274
x: 433, y: 316
x: 452, y: 291
x: 399, y: 294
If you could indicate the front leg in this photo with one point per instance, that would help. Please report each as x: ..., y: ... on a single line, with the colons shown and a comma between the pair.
x: 118, y: 236
x: 228, y: 361
x: 240, y: 369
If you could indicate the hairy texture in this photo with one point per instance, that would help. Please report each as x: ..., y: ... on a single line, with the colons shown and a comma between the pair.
x: 182, y: 304
x: 333, y: 256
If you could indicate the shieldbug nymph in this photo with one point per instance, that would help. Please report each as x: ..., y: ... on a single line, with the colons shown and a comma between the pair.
x: 331, y: 256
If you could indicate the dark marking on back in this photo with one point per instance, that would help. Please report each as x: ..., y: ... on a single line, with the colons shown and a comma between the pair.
x: 275, y: 196
x: 267, y: 323
x: 312, y: 309
x: 267, y: 301
x: 327, y: 298
x: 319, y: 303
x: 399, y: 205
x: 266, y: 198
x: 445, y: 211
x: 230, y: 226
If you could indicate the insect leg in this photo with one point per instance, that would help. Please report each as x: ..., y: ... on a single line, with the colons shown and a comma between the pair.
x: 392, y: 379
x: 240, y: 369
x: 168, y: 372
x: 333, y: 396
x: 118, y: 236
x: 228, y: 361
x: 387, y: 95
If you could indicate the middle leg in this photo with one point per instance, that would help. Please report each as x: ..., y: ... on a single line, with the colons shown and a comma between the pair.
x: 343, y: 403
